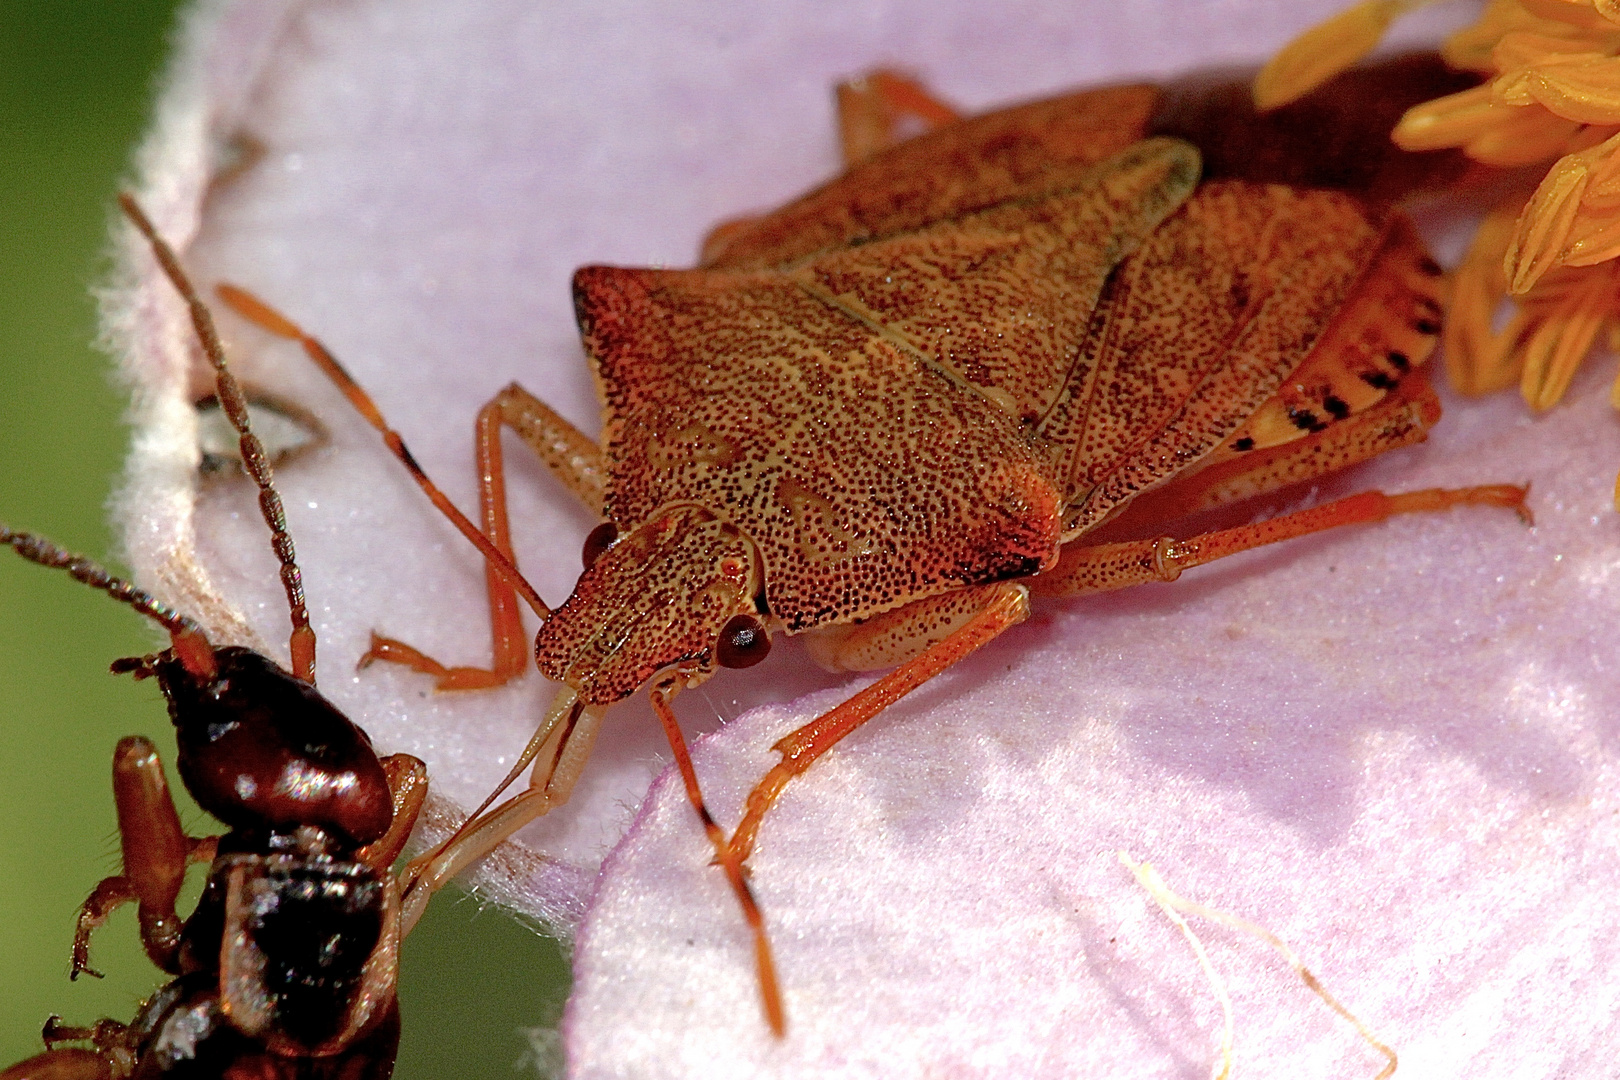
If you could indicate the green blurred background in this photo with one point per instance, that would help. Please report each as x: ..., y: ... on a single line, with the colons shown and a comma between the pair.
x: 76, y: 85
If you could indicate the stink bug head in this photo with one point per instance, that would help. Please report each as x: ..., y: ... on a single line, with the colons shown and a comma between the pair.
x: 658, y: 597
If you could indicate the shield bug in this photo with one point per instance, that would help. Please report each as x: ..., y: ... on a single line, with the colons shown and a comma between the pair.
x: 287, y: 965
x: 993, y: 361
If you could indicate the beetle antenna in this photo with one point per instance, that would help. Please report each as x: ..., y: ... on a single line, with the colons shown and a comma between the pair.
x: 264, y: 316
x: 301, y: 643
x: 190, y: 642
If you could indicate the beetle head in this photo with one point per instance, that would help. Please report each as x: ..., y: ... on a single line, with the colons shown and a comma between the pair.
x: 679, y: 590
x: 262, y: 749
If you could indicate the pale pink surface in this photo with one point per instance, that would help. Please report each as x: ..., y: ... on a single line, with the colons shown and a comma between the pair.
x: 1395, y: 746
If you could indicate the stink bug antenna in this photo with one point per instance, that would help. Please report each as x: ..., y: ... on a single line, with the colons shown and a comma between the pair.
x: 301, y: 643
x: 190, y: 642
x: 267, y: 318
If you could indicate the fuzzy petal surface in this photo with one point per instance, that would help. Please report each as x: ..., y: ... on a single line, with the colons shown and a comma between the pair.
x: 1394, y: 746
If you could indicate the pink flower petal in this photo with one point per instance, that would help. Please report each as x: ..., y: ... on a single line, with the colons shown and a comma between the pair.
x: 1395, y: 746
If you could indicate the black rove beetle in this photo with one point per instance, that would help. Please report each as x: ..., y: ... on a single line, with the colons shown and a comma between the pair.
x: 286, y: 968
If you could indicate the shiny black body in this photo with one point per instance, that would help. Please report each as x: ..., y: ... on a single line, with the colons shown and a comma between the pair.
x: 285, y: 969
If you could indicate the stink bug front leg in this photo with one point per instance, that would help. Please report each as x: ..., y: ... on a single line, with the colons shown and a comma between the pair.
x: 572, y: 457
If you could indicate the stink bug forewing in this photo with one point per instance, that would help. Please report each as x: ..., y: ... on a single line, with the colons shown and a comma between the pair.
x: 757, y: 359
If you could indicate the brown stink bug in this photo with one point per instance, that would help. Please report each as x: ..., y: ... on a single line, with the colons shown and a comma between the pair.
x: 378, y: 311
x: 288, y: 963
x: 992, y: 361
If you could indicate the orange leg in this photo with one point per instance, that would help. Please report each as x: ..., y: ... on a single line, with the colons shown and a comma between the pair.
x: 1007, y: 606
x: 509, y: 655
x: 576, y: 461
x: 115, y: 1046
x: 764, y: 963
x: 870, y: 111
x: 559, y: 748
x: 1105, y: 567
x: 558, y: 751
x: 1402, y: 419
x: 407, y: 787
x: 1080, y: 570
x: 156, y: 852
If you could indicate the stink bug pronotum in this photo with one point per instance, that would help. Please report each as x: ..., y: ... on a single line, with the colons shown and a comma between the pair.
x: 364, y: 304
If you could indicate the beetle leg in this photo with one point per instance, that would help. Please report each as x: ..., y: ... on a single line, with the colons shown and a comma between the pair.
x: 108, y: 896
x: 1104, y: 567
x: 156, y: 851
x: 70, y: 1063
x: 407, y: 786
x: 113, y: 1056
x: 871, y: 110
x: 1007, y: 606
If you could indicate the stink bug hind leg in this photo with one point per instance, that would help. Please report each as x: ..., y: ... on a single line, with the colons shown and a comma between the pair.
x: 873, y: 111
x: 1106, y: 567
